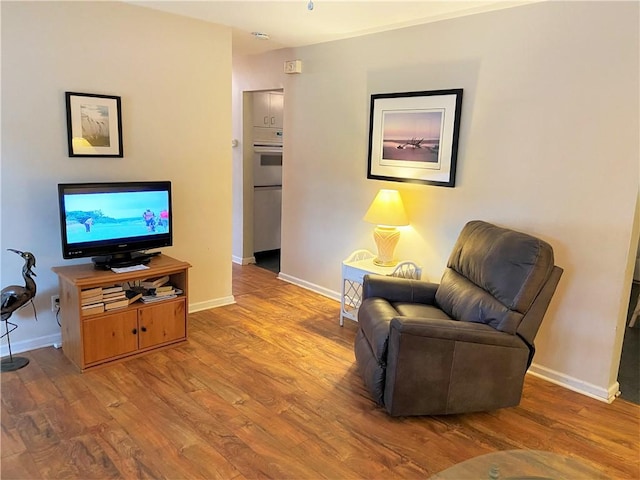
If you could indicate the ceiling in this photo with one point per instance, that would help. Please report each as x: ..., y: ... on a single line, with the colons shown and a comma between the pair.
x: 290, y: 23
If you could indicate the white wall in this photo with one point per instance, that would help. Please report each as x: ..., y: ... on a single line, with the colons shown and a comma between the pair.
x: 174, y: 77
x: 548, y: 145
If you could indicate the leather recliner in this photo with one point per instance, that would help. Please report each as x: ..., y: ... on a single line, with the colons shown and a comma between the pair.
x: 465, y: 344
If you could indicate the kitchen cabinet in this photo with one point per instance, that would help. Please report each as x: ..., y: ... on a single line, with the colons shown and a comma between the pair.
x: 267, y: 109
x: 94, y: 340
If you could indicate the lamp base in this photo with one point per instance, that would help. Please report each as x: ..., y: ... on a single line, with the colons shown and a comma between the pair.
x: 386, y: 239
x: 10, y: 364
x: 382, y: 263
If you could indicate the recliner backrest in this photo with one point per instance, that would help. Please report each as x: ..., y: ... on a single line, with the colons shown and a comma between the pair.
x: 494, y: 275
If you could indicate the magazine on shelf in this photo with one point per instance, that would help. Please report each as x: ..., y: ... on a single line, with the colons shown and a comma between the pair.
x: 153, y: 298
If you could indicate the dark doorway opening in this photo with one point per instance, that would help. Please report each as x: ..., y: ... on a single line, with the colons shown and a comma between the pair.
x: 269, y: 260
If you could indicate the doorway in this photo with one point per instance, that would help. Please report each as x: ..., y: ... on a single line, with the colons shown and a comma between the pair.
x: 263, y: 154
x: 629, y: 371
x: 269, y: 260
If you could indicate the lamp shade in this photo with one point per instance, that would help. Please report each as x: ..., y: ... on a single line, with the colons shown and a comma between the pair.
x: 387, y: 209
x: 80, y: 142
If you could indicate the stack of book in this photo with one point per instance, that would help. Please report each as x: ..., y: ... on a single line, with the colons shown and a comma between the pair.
x: 158, y: 294
x: 101, y: 299
x: 91, y: 301
x: 150, y: 290
x: 114, y: 297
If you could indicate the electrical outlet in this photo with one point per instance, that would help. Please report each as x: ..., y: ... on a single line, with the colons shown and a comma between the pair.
x: 55, y: 303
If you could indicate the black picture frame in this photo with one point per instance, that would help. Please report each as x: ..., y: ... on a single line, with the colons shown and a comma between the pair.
x: 94, y: 125
x: 413, y: 136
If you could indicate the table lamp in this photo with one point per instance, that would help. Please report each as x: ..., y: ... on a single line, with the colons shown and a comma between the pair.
x: 386, y: 212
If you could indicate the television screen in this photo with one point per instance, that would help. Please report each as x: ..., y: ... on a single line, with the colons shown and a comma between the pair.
x: 114, y: 219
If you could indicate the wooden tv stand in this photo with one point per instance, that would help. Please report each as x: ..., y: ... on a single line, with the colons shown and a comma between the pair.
x: 91, y: 341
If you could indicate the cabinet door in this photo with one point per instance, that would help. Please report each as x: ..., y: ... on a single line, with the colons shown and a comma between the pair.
x: 107, y: 336
x: 162, y: 323
x: 267, y: 109
x: 276, y: 107
x: 261, y: 109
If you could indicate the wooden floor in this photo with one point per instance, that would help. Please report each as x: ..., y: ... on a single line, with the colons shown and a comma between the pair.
x: 268, y: 388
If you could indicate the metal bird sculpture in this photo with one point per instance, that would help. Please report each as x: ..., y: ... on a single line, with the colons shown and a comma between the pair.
x: 13, y: 298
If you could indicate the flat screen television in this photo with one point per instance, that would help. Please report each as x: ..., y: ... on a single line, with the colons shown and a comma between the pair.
x: 115, y: 222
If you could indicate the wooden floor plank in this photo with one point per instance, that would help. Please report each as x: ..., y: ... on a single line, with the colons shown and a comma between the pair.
x: 11, y: 442
x: 268, y: 388
x: 19, y: 467
x: 125, y: 454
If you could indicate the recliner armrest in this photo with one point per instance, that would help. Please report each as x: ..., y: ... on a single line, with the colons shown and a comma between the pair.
x: 458, y: 331
x: 396, y: 289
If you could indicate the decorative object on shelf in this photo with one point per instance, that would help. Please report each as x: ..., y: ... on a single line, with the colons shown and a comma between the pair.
x: 386, y: 212
x: 413, y: 136
x: 13, y: 298
x: 94, y: 125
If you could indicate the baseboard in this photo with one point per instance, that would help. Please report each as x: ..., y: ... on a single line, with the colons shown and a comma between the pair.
x: 310, y: 286
x: 32, y: 344
x: 575, y: 384
x: 243, y: 260
x: 218, y: 302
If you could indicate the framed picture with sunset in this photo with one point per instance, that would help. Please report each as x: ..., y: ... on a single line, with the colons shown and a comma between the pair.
x: 413, y: 136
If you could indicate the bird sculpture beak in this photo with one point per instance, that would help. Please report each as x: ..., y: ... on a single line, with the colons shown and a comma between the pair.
x: 15, y: 251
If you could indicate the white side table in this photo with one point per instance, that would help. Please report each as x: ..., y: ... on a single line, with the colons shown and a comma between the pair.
x: 355, y: 268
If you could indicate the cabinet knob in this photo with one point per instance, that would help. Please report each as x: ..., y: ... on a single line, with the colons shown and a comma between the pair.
x: 134, y: 331
x: 144, y: 329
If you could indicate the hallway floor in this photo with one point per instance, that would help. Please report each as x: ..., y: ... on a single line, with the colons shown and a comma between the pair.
x: 629, y: 372
x: 269, y: 260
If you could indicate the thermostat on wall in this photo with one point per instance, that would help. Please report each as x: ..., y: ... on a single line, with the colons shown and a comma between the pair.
x: 293, y: 66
